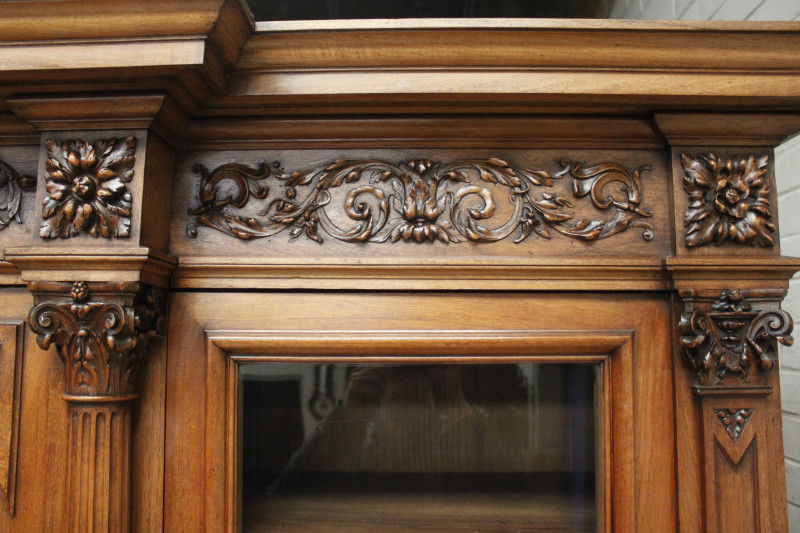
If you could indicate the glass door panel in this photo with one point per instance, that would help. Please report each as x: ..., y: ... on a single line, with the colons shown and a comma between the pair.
x: 440, y: 447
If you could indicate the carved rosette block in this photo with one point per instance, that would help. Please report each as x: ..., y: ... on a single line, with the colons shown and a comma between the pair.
x: 728, y: 200
x: 420, y: 201
x: 101, y: 341
x: 732, y: 341
x: 86, y: 188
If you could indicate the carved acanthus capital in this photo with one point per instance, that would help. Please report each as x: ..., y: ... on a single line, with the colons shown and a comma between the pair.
x: 729, y: 340
x: 101, y: 340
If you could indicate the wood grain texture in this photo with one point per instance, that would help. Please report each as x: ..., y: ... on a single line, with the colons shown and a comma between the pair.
x: 43, y: 431
x: 11, y: 354
x: 194, y: 85
x: 386, y: 327
x: 98, y: 472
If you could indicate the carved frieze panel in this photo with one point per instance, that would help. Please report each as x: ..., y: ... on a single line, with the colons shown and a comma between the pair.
x: 100, y: 340
x: 728, y: 200
x: 87, y: 187
x: 373, y: 200
x: 12, y: 185
x: 733, y: 339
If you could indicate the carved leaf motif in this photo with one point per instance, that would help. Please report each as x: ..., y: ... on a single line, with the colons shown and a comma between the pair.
x: 734, y: 420
x: 728, y: 200
x: 12, y: 185
x: 420, y: 201
x: 86, y: 188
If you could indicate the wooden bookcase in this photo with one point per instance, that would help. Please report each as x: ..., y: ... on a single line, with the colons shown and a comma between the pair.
x: 186, y: 191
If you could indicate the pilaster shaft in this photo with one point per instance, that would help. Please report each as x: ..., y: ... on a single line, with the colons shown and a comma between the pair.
x: 101, y: 340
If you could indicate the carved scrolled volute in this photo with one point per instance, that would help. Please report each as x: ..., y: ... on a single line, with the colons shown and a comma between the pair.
x: 731, y: 341
x: 101, y: 341
x: 101, y: 332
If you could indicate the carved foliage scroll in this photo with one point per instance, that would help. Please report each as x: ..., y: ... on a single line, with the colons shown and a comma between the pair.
x: 725, y: 342
x: 100, y: 342
x: 86, y: 188
x: 420, y: 201
x: 12, y: 184
x: 728, y: 200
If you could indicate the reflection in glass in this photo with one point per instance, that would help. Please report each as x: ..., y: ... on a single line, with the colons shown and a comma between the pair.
x: 418, y: 447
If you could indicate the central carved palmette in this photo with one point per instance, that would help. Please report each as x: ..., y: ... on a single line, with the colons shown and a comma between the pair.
x: 419, y: 201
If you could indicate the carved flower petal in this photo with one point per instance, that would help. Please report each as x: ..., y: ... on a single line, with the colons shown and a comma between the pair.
x: 696, y: 173
x: 74, y: 159
x: 738, y: 210
x: 744, y: 233
x: 69, y: 209
x: 105, y: 173
x: 111, y: 189
x: 761, y: 206
x: 701, y: 232
x: 88, y: 156
x: 56, y: 190
x: 83, y: 216
x: 49, y: 207
x: 720, y: 205
x: 721, y: 184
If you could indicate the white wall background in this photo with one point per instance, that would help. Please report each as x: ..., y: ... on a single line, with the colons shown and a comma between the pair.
x: 787, y: 165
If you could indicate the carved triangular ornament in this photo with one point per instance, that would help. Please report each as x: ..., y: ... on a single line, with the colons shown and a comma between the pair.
x: 734, y: 420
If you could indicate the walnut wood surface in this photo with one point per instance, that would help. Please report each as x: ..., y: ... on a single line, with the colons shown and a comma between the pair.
x: 197, y: 83
x: 11, y: 354
x: 393, y: 318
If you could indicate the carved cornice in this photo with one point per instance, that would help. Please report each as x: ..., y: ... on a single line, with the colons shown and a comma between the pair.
x: 731, y: 342
x: 419, y: 201
x: 728, y: 200
x: 12, y: 184
x: 101, y: 340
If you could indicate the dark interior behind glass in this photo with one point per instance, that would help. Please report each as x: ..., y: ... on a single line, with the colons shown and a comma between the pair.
x: 374, y: 448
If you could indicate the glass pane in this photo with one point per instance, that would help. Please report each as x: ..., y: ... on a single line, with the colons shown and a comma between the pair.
x: 377, y: 448
x: 405, y: 9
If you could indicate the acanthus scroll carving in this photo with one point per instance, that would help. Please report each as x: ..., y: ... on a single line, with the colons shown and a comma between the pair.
x: 724, y: 343
x: 419, y: 201
x: 12, y: 185
x: 100, y: 342
x: 728, y: 200
x: 86, y: 188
